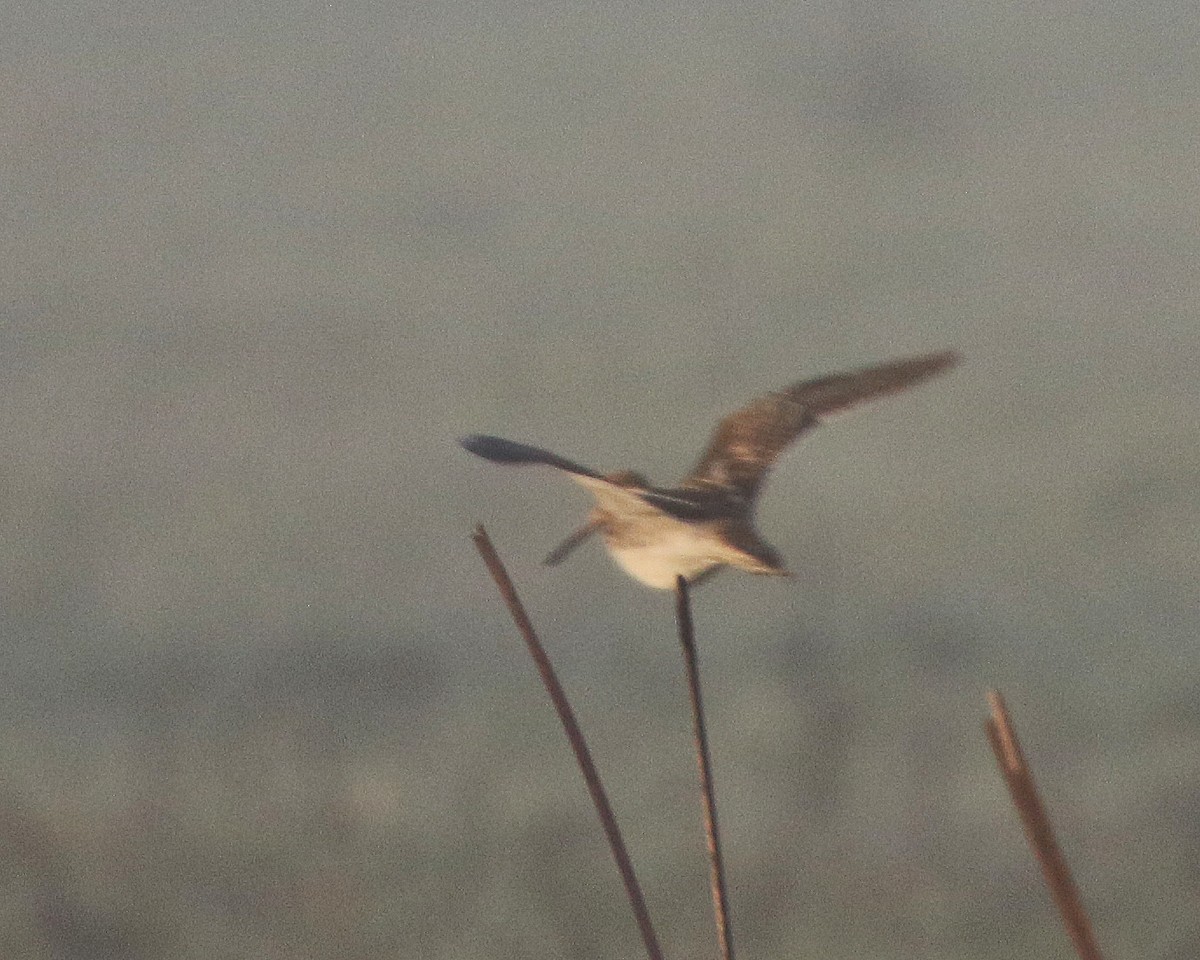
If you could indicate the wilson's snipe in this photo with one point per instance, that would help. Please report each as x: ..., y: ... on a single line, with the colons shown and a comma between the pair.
x: 707, y: 521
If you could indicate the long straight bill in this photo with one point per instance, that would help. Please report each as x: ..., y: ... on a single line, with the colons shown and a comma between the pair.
x: 564, y: 549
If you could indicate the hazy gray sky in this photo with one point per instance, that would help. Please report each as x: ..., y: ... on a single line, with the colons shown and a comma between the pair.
x: 264, y: 263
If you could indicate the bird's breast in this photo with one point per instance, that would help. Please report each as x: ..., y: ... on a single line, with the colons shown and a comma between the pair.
x: 656, y: 562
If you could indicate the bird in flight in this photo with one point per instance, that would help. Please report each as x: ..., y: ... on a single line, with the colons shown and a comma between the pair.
x: 707, y: 522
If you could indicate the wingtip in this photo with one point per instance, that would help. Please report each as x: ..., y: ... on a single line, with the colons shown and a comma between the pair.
x: 945, y: 359
x: 490, y: 448
x: 930, y: 364
x: 473, y: 442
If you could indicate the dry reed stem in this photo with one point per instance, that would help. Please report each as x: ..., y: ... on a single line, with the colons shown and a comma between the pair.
x: 720, y: 897
x: 1039, y: 832
x: 575, y: 736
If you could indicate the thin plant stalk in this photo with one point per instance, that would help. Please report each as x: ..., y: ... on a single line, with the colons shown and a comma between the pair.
x: 720, y: 896
x: 1038, y: 830
x: 575, y: 737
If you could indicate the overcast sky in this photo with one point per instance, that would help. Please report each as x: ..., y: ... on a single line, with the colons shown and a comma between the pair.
x: 263, y: 266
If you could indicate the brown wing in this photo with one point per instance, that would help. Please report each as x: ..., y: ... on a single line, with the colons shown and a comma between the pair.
x: 746, y: 443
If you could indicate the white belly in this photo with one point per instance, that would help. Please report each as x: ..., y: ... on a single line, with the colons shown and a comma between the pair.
x: 659, y: 563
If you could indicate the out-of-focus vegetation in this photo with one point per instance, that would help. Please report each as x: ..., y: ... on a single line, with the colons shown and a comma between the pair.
x: 261, y: 267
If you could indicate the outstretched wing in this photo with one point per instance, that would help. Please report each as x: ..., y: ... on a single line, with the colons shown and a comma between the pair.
x: 746, y: 443
x: 499, y: 450
x: 623, y: 492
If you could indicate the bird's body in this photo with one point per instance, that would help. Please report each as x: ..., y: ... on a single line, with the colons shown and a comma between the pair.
x: 707, y: 522
x: 655, y: 546
x: 679, y: 549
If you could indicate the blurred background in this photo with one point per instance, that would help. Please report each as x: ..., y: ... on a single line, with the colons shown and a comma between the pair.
x: 263, y: 264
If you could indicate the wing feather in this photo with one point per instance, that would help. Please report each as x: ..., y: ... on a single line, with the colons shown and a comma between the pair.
x: 499, y: 450
x: 747, y: 443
